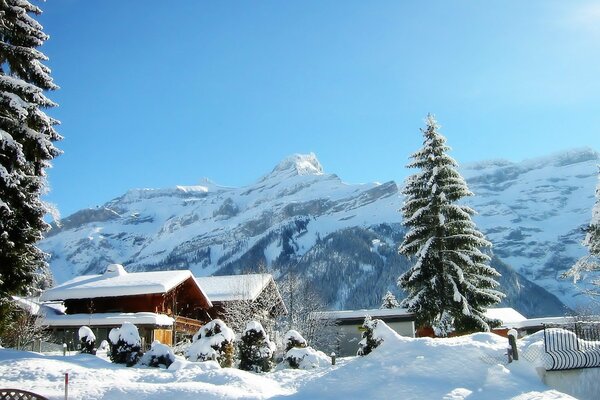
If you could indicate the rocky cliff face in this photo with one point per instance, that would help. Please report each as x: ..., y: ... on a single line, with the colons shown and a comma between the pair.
x: 342, y: 237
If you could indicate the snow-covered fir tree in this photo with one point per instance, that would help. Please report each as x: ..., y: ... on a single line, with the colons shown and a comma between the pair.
x: 26, y: 148
x: 256, y: 349
x: 389, y: 301
x: 451, y: 282
x: 590, y: 263
x: 369, y: 340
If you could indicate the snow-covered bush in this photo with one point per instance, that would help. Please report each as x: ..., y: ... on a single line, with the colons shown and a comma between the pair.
x: 158, y: 355
x: 305, y: 358
x: 292, y: 339
x: 87, y: 340
x: 369, y: 339
x: 125, y: 344
x: 255, y: 349
x: 214, y: 341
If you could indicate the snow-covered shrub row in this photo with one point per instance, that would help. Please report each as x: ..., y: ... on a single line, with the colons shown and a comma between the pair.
x: 256, y: 349
x: 159, y: 355
x: 214, y: 341
x: 87, y: 340
x: 125, y: 344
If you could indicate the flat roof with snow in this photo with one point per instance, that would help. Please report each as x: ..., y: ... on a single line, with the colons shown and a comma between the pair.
x: 508, y: 316
x: 359, y: 315
x: 234, y: 287
x: 117, y: 282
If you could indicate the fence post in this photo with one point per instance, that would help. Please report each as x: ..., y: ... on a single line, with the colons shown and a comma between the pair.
x: 332, y: 358
x: 66, y: 385
x: 512, y: 341
x: 64, y: 349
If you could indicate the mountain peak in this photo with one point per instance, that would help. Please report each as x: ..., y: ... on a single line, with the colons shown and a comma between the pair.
x: 297, y: 164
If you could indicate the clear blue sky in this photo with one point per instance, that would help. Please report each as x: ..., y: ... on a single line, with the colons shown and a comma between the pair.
x: 161, y: 93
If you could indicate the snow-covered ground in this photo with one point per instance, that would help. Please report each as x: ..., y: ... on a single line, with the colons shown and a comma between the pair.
x: 469, y: 367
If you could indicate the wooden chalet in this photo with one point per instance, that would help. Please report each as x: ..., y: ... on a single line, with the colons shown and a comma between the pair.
x: 164, y: 305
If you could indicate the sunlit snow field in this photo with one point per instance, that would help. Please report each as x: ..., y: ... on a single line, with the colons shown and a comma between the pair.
x: 468, y: 367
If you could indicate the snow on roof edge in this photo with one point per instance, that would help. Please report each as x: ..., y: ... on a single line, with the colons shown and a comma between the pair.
x: 105, y: 319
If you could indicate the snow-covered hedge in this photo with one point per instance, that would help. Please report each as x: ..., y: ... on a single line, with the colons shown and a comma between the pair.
x: 214, y: 341
x: 159, y: 355
x: 305, y: 358
x: 256, y: 349
x: 125, y: 344
x: 87, y: 340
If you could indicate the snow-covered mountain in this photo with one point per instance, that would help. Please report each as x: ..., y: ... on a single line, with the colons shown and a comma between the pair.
x: 341, y: 236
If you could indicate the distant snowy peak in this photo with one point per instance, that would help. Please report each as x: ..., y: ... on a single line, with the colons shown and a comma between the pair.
x: 296, y: 165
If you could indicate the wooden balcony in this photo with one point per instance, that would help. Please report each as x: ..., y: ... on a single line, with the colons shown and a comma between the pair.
x: 187, y: 325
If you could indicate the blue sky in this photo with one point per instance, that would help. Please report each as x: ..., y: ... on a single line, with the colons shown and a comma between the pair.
x: 157, y: 93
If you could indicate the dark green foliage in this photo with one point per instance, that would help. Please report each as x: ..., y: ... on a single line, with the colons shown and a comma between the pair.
x: 26, y: 149
x: 255, y: 349
x: 451, y: 283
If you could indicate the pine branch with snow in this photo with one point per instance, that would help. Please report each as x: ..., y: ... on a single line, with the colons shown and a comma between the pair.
x: 450, y: 282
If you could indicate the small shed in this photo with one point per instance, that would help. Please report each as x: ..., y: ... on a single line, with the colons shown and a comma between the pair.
x: 348, y: 322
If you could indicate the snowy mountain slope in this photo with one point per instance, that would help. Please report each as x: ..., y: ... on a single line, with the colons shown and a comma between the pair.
x: 341, y: 236
x: 534, y: 213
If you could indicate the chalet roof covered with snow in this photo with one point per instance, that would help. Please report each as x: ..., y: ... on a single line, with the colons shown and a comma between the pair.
x: 117, y: 282
x: 105, y: 319
x: 234, y: 287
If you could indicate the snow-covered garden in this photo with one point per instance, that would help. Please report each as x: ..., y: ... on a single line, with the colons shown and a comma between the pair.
x: 472, y: 366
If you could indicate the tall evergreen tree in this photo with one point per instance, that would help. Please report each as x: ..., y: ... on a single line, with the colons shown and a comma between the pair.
x: 26, y: 147
x: 451, y: 283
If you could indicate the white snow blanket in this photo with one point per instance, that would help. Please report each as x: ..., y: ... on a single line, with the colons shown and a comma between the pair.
x: 470, y: 367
